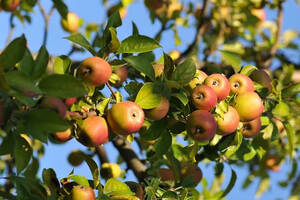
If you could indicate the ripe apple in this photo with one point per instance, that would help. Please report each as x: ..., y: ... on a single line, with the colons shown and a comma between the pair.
x: 229, y: 123
x: 249, y: 106
x: 252, y: 128
x: 56, y: 104
x: 198, y: 80
x: 166, y: 174
x: 201, y: 125
x: 136, y: 188
x: 260, y: 14
x: 110, y: 170
x: 220, y: 84
x: 80, y: 192
x: 122, y: 73
x: 125, y: 118
x: 193, y: 171
x: 174, y: 54
x: 94, y: 131
x: 273, y: 163
x: 63, y: 136
x: 204, y: 97
x: 158, y: 69
x: 70, y: 101
x: 76, y: 158
x: 71, y: 23
x: 160, y: 111
x: 263, y: 78
x: 240, y: 83
x: 96, y: 71
x: 9, y: 5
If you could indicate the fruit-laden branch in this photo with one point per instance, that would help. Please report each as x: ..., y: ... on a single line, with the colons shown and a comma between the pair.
x: 274, y: 47
x: 101, y: 153
x: 130, y: 157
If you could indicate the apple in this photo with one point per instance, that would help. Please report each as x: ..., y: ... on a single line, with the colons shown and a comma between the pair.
x: 220, y: 84
x: 252, y: 128
x: 240, y: 83
x: 136, y: 188
x: 125, y: 118
x: 94, y: 131
x: 273, y: 163
x: 71, y: 23
x: 174, y: 54
x: 70, y: 101
x: 173, y: 7
x: 201, y: 125
x: 229, y: 123
x: 56, y: 104
x: 249, y: 106
x: 193, y: 171
x: 9, y: 5
x: 204, y: 97
x: 263, y: 78
x: 96, y: 71
x: 122, y: 73
x: 197, y: 80
x: 76, y: 158
x: 80, y: 192
x: 159, y: 111
x: 110, y: 170
x: 158, y: 69
x: 260, y: 14
x: 166, y: 174
x: 63, y: 136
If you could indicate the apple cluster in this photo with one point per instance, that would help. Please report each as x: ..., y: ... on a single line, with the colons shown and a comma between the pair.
x: 9, y: 5
x: 242, y: 112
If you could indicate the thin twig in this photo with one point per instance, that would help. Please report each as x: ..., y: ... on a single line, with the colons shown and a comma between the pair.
x: 46, y: 19
x: 101, y: 153
x: 111, y: 90
x: 11, y: 29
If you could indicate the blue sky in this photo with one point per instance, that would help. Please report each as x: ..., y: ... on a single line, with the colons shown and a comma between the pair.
x: 91, y: 11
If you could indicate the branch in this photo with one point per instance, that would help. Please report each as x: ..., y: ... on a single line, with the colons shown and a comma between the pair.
x: 130, y: 157
x: 46, y: 19
x: 11, y: 30
x: 101, y: 153
x: 111, y: 90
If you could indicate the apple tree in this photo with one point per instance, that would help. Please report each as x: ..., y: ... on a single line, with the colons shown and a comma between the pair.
x: 230, y: 98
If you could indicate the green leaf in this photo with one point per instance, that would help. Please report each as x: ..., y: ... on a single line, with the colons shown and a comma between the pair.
x: 82, y: 41
x: 22, y: 153
x: 135, y: 30
x: 115, y: 43
x: 32, y: 169
x: 182, y: 98
x: 13, y: 53
x: 147, y: 98
x: 164, y: 143
x: 169, y: 66
x: 50, y: 179
x: 40, y: 63
x: 81, y: 180
x: 3, y: 82
x: 94, y: 169
x: 138, y: 44
x: 231, y: 59
x: 27, y: 63
x: 154, y: 131
x: 248, y: 69
x: 63, y: 86
x: 231, y: 183
x: 115, y: 187
x: 281, y: 109
x: 235, y: 144
x: 262, y: 187
x: 62, y: 64
x: 291, y: 137
x: 114, y: 20
x: 289, y: 36
x: 61, y: 8
x: 184, y: 72
x: 292, y: 90
x: 7, y: 145
x: 20, y: 81
x: 140, y: 63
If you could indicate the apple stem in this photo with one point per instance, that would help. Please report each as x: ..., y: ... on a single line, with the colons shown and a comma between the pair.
x: 111, y: 90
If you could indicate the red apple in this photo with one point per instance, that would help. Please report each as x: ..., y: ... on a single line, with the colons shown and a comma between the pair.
x: 56, y: 104
x: 63, y: 136
x: 249, y: 106
x: 273, y: 163
x: 160, y: 111
x: 158, y: 69
x: 122, y: 73
x: 220, y: 84
x: 229, y: 123
x: 263, y: 78
x: 9, y: 5
x: 81, y: 192
x: 201, y: 125
x: 198, y: 80
x: 193, y: 171
x: 252, y: 128
x: 96, y: 71
x: 136, y: 188
x: 125, y: 118
x: 94, y: 131
x: 204, y: 97
x: 70, y: 101
x: 71, y: 23
x: 166, y: 174
x: 240, y: 83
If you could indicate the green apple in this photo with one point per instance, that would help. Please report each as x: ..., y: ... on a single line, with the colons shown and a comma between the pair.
x: 71, y: 23
x: 80, y: 192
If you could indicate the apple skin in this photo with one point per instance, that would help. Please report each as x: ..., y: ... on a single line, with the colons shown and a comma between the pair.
x: 75, y: 158
x: 252, y: 128
x: 249, y: 106
x: 272, y: 163
x: 158, y: 69
x: 160, y: 111
x: 229, y: 123
x: 63, y: 136
x: 110, y: 170
x: 174, y: 54
x: 204, y: 97
x: 240, y: 83
x: 70, y: 101
x: 56, y: 104
x: 125, y: 118
x: 197, y: 80
x: 71, y: 23
x: 201, y: 125
x: 220, y: 84
x: 96, y: 71
x: 166, y: 174
x: 263, y: 78
x: 94, y: 131
x: 122, y: 73
x: 80, y: 192
x: 136, y: 188
x: 9, y: 5
x: 193, y: 171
